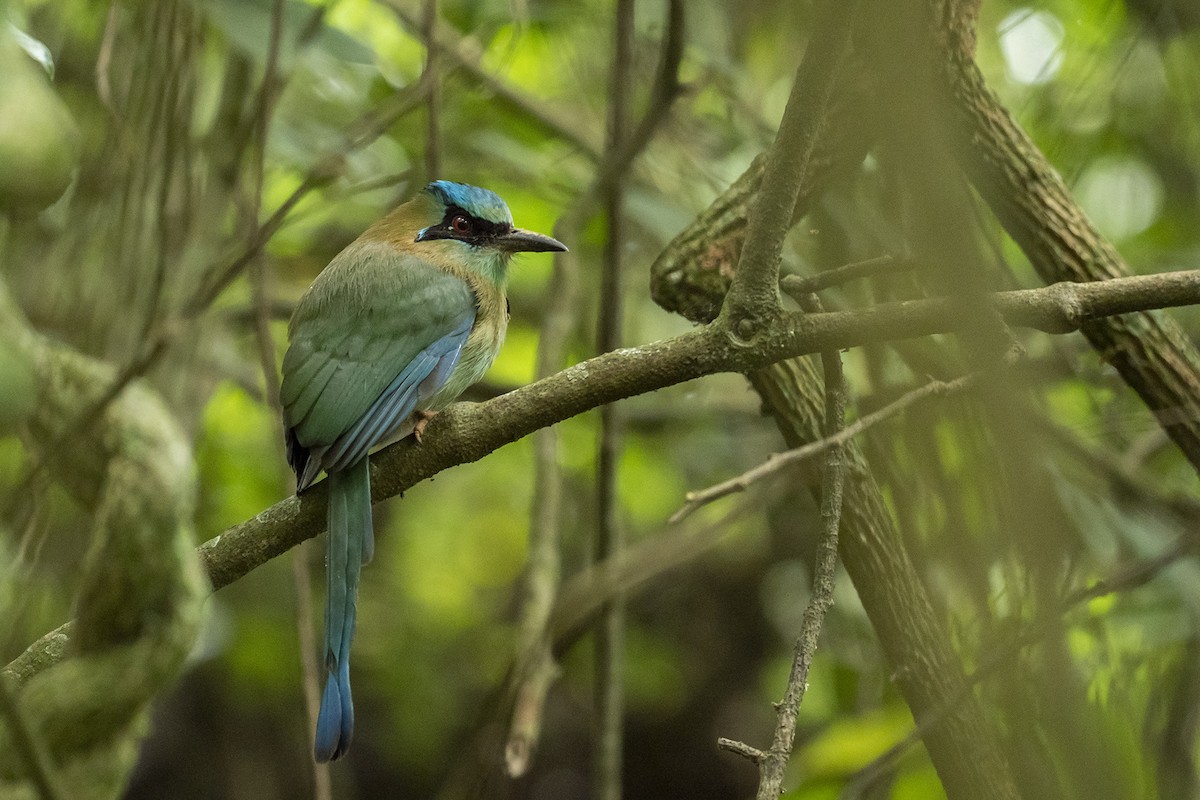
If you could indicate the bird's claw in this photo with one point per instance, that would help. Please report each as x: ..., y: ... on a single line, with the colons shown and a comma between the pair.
x: 423, y: 418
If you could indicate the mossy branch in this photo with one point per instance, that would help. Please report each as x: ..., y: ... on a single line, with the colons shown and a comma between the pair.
x: 138, y: 603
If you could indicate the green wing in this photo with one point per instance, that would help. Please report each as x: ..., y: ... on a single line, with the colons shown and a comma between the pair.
x: 367, y: 317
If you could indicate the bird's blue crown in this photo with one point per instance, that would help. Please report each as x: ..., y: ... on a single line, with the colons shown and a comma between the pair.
x: 480, y: 203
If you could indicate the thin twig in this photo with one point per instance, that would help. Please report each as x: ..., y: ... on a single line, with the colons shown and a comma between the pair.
x: 104, y: 58
x: 173, y: 119
x: 433, y: 100
x: 796, y: 285
x: 617, y: 162
x: 259, y: 285
x: 778, y: 461
x: 576, y: 607
x: 608, y: 699
x: 1125, y: 481
x: 536, y: 667
x: 582, y: 597
x: 753, y: 296
x: 309, y: 667
x: 752, y: 754
x: 773, y: 763
x: 467, y: 55
x: 260, y: 296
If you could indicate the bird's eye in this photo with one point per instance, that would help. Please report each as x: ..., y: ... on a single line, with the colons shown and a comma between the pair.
x: 461, y: 225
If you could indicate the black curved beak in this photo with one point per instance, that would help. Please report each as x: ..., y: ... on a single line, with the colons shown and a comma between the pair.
x: 523, y: 241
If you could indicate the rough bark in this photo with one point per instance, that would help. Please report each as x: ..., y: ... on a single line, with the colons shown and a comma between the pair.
x: 1150, y: 351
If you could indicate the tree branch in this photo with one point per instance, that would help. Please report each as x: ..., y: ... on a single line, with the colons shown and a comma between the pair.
x: 755, y: 291
x: 691, y: 277
x: 774, y: 761
x: 797, y: 285
x: 1152, y: 353
x: 778, y: 461
x: 467, y: 432
x: 433, y: 101
x: 608, y: 687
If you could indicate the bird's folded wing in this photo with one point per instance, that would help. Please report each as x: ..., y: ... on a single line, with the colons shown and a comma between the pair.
x: 423, y: 376
x: 362, y: 348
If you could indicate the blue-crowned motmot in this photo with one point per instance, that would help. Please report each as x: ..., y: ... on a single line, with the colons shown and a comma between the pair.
x: 391, y: 332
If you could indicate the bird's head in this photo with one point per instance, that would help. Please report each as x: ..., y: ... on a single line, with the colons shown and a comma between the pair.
x: 474, y: 227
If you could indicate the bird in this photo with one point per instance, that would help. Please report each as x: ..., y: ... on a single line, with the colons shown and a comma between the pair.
x: 396, y: 327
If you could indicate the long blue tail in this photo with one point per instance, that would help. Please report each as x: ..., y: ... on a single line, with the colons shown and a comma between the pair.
x: 349, y: 544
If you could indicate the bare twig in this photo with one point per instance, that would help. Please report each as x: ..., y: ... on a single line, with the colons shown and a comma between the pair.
x: 665, y: 90
x: 104, y: 58
x: 796, y: 286
x: 1125, y: 481
x: 576, y: 607
x: 260, y: 290
x: 753, y: 296
x: 173, y: 108
x: 582, y: 598
x: 309, y: 667
x: 467, y: 55
x: 773, y: 762
x: 778, y: 461
x: 536, y: 667
x: 260, y: 296
x: 752, y: 754
x: 433, y: 100
x: 608, y: 655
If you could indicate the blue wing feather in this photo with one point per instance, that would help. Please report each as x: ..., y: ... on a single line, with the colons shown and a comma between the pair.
x: 423, y: 376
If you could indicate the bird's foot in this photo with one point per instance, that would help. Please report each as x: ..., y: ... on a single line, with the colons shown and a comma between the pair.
x: 423, y: 418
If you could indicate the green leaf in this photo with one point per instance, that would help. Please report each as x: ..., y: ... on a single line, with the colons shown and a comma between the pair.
x: 36, y: 50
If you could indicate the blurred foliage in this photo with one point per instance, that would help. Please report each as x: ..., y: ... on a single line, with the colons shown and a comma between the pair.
x: 38, y: 138
x: 1009, y: 499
